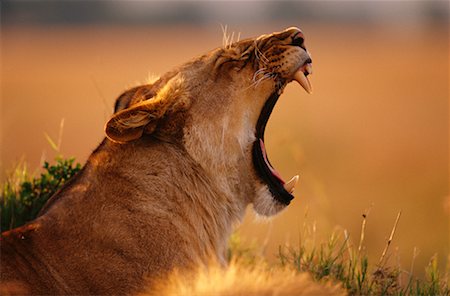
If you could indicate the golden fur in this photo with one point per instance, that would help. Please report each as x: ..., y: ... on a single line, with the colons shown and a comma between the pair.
x: 242, y: 280
x: 166, y: 187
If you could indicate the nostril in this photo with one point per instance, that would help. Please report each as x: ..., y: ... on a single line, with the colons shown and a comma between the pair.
x: 298, y: 40
x: 308, y: 61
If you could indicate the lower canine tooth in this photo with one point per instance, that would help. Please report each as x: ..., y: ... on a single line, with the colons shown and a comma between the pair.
x: 289, y: 186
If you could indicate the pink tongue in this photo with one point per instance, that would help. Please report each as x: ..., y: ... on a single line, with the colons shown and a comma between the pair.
x: 272, y: 170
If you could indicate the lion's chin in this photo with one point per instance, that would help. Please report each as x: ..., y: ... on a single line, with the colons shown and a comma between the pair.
x: 265, y: 204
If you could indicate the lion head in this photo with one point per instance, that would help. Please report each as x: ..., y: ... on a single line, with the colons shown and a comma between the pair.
x: 216, y: 108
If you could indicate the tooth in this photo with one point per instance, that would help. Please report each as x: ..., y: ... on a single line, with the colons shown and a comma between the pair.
x: 308, y: 68
x: 289, y: 186
x: 303, y: 81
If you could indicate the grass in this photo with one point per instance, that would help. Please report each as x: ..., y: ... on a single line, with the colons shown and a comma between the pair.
x: 336, y: 259
x: 23, y: 196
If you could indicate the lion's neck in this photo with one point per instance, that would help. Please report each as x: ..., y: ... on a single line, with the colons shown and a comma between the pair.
x: 220, y: 146
x: 167, y: 176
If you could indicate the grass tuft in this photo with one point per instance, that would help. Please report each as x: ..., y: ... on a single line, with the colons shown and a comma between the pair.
x: 23, y: 196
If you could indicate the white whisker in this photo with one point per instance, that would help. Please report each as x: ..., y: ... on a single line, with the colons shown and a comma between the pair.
x: 256, y: 82
x: 264, y: 77
x: 260, y: 71
x: 260, y: 56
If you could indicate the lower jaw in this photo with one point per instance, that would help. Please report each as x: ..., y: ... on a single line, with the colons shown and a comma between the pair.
x: 264, y: 204
x: 275, y: 187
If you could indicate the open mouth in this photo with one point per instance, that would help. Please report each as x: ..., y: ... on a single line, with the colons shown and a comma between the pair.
x: 282, y: 191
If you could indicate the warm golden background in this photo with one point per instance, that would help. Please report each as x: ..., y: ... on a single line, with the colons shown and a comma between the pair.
x: 373, y: 135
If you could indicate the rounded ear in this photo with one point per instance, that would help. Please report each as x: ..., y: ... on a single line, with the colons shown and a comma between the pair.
x: 125, y: 99
x: 131, y: 123
x: 133, y: 96
x: 128, y: 124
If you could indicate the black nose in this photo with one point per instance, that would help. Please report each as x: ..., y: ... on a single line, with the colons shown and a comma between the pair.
x: 298, y: 39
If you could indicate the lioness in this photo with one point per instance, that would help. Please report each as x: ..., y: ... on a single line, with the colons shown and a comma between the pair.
x: 183, y: 158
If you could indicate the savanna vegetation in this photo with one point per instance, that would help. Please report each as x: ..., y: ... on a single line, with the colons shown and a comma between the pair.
x: 337, y: 259
x: 23, y: 195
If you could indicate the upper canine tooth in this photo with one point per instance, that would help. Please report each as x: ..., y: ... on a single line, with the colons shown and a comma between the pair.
x: 289, y: 186
x: 300, y: 77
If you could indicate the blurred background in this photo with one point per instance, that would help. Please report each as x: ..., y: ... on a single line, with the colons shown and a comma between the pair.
x: 374, y: 135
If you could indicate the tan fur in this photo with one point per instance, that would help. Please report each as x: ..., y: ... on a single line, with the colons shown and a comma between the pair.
x: 242, y: 280
x: 166, y: 187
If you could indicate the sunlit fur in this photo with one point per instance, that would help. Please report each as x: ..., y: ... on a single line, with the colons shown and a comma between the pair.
x: 166, y: 187
x: 243, y: 280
